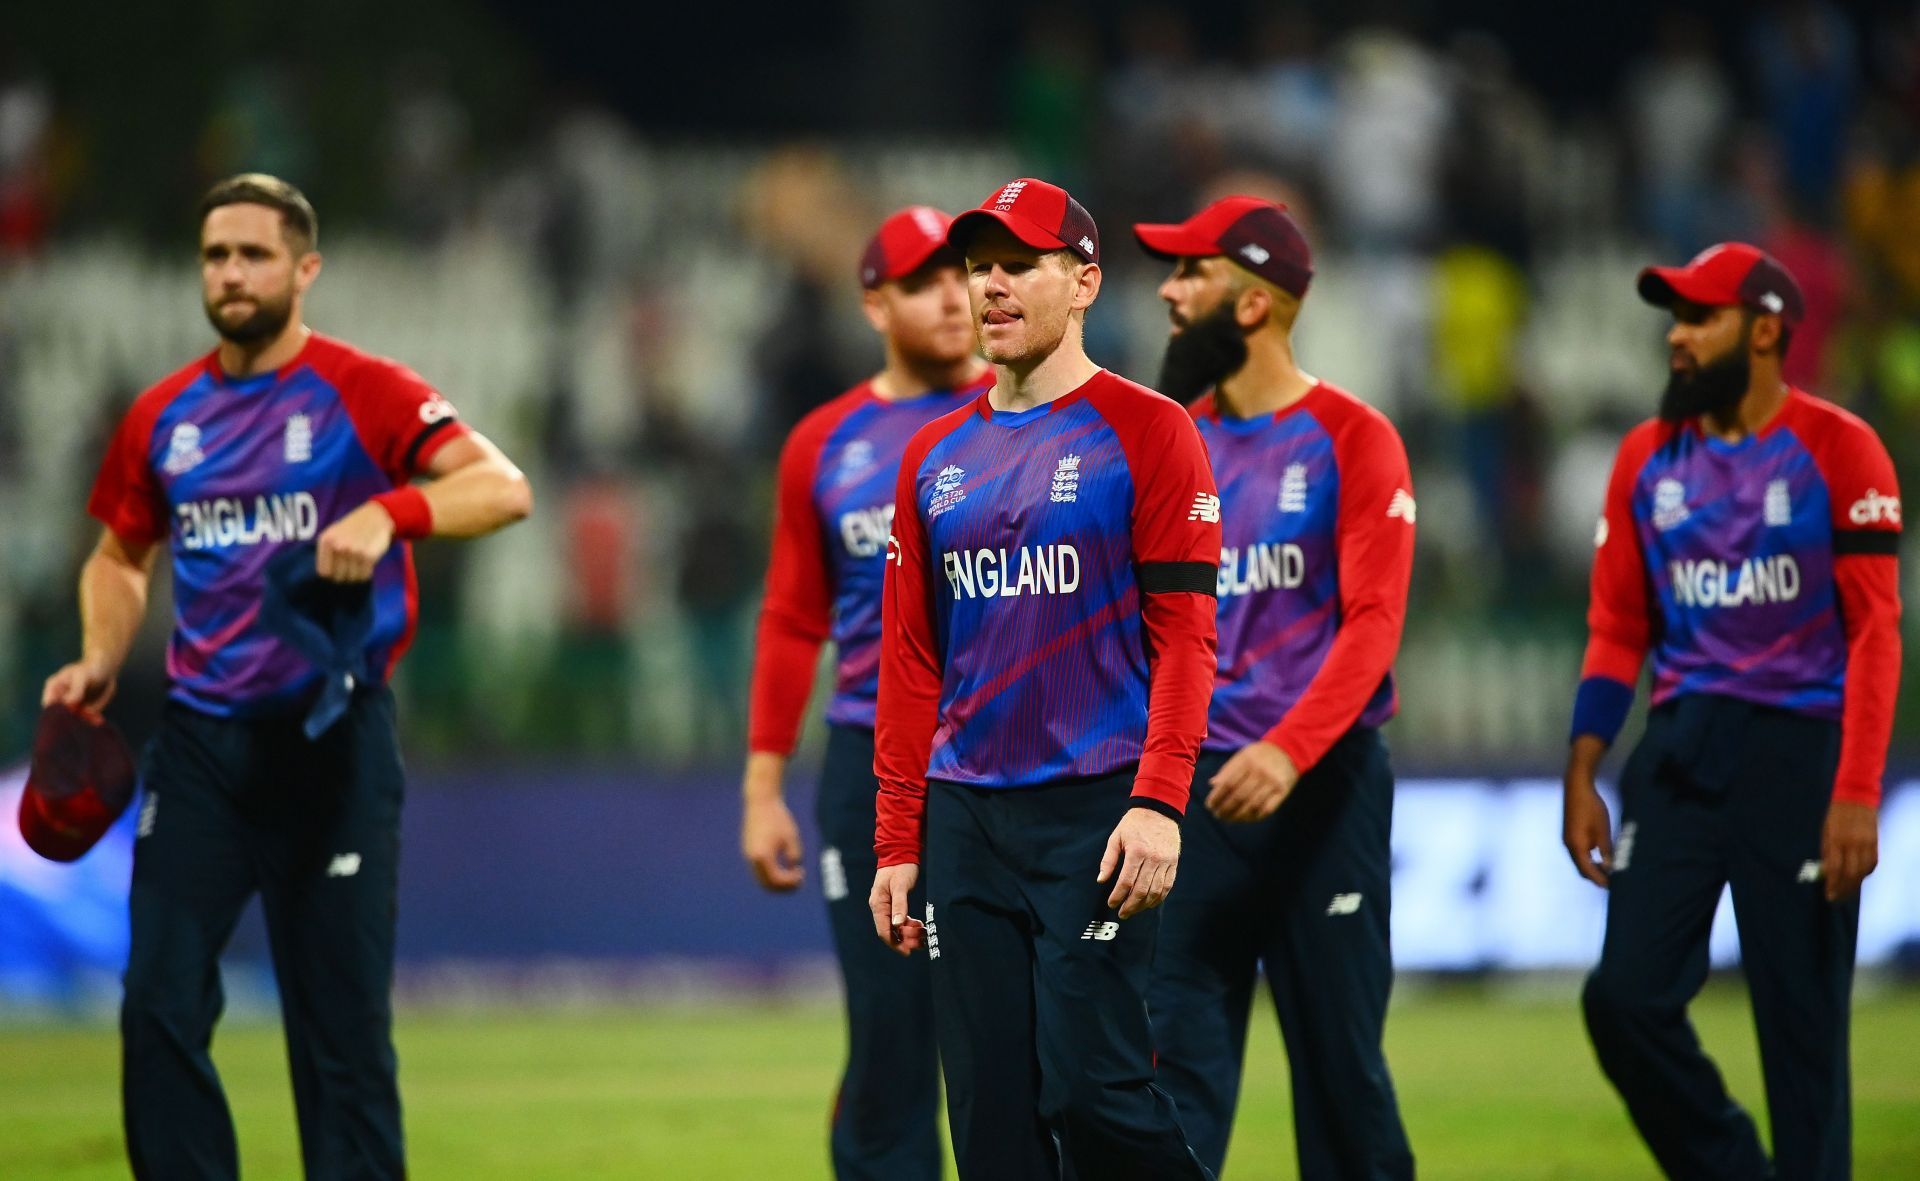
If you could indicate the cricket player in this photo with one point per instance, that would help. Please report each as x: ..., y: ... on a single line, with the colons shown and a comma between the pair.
x: 272, y: 771
x: 1288, y: 867
x: 1748, y: 545
x: 831, y: 521
x: 1046, y: 655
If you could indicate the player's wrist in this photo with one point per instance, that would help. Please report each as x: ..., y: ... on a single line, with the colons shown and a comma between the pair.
x: 409, y: 510
x: 1158, y: 806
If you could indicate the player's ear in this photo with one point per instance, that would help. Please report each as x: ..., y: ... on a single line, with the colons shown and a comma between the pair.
x: 1086, y: 286
x: 875, y: 309
x: 1252, y: 307
x: 306, y: 270
x: 1764, y: 336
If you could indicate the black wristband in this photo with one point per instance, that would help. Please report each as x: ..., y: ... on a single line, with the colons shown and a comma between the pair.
x: 1161, y: 806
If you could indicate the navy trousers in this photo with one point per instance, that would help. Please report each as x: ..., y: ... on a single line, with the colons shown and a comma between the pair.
x: 886, y: 1118
x: 1039, y: 990
x: 232, y: 808
x: 1720, y: 792
x: 1306, y: 895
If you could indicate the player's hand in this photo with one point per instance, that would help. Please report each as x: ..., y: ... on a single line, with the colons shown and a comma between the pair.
x: 1849, y: 847
x: 888, y: 902
x: 1145, y: 849
x: 770, y: 841
x: 351, y: 546
x: 86, y: 684
x: 1587, y: 829
x: 1252, y: 784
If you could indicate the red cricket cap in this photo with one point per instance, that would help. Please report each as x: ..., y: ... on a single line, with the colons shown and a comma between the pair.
x: 80, y: 782
x: 903, y: 244
x: 1254, y: 233
x: 1044, y: 216
x: 1730, y: 274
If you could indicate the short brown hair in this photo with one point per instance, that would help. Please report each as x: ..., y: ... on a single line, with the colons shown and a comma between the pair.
x: 298, y: 223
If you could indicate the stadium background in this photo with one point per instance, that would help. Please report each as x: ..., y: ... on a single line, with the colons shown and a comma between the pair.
x: 624, y: 246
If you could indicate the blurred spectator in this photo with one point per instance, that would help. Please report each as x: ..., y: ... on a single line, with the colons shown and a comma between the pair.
x: 1679, y: 108
x: 1383, y: 164
x: 1494, y: 146
x: 1806, y: 61
x: 26, y: 182
x: 429, y: 135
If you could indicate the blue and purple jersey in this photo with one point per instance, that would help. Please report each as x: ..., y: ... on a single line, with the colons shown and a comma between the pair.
x: 1317, y: 527
x: 230, y: 471
x: 1050, y: 602
x: 832, y: 516
x: 1751, y: 570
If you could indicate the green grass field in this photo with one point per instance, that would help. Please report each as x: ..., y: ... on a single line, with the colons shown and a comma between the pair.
x: 1493, y: 1090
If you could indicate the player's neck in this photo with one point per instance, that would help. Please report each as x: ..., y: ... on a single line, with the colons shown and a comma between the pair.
x: 904, y: 378
x: 1268, y: 383
x: 1765, y: 397
x: 1059, y: 373
x: 237, y: 360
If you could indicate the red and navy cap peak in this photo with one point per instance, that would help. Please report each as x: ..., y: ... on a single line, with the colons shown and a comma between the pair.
x: 1251, y: 231
x: 903, y: 244
x: 1042, y: 215
x: 1728, y: 275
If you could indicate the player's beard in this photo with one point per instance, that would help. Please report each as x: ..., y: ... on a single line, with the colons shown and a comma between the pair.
x: 1199, y: 356
x: 1713, y: 388
x: 268, y: 320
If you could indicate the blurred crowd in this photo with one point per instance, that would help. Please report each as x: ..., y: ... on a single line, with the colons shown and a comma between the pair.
x: 639, y: 320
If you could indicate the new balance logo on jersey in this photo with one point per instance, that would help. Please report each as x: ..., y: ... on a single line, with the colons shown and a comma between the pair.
x: 1101, y: 932
x: 1778, y: 509
x: 226, y: 520
x: 865, y: 531
x: 1264, y: 567
x: 299, y: 440
x: 1206, y: 507
x: 344, y: 865
x: 1601, y: 532
x: 183, y: 450
x: 1344, y: 904
x: 1874, y: 508
x: 1066, y: 480
x: 947, y: 491
x: 1293, y: 489
x: 1707, y: 583
x: 994, y: 573
x: 1402, y: 505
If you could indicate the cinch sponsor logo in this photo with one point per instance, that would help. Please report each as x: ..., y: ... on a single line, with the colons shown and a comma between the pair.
x: 1873, y: 508
x: 227, y: 520
x: 993, y: 573
x: 1264, y: 567
x: 865, y: 531
x: 1756, y: 580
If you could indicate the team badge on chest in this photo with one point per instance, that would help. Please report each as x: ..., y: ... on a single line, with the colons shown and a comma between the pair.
x: 299, y: 439
x: 1066, y: 480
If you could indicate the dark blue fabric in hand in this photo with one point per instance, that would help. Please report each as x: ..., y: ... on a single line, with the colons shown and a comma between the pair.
x: 329, y: 623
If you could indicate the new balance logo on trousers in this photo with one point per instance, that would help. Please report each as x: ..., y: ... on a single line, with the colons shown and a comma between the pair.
x: 1101, y: 931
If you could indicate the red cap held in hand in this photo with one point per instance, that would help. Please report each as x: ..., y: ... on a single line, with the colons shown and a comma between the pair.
x: 81, y: 780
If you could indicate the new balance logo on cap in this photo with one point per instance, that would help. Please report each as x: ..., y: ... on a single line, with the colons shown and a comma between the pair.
x: 1206, y: 507
x: 1402, y: 505
x: 1086, y: 244
x: 1255, y: 253
x: 1102, y: 932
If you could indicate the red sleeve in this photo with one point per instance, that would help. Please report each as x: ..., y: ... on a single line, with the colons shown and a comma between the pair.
x: 910, y: 670
x: 126, y: 497
x: 1176, y: 554
x: 1865, y: 498
x: 401, y: 419
x: 796, y: 615
x: 1374, y: 540
x: 1619, y: 618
